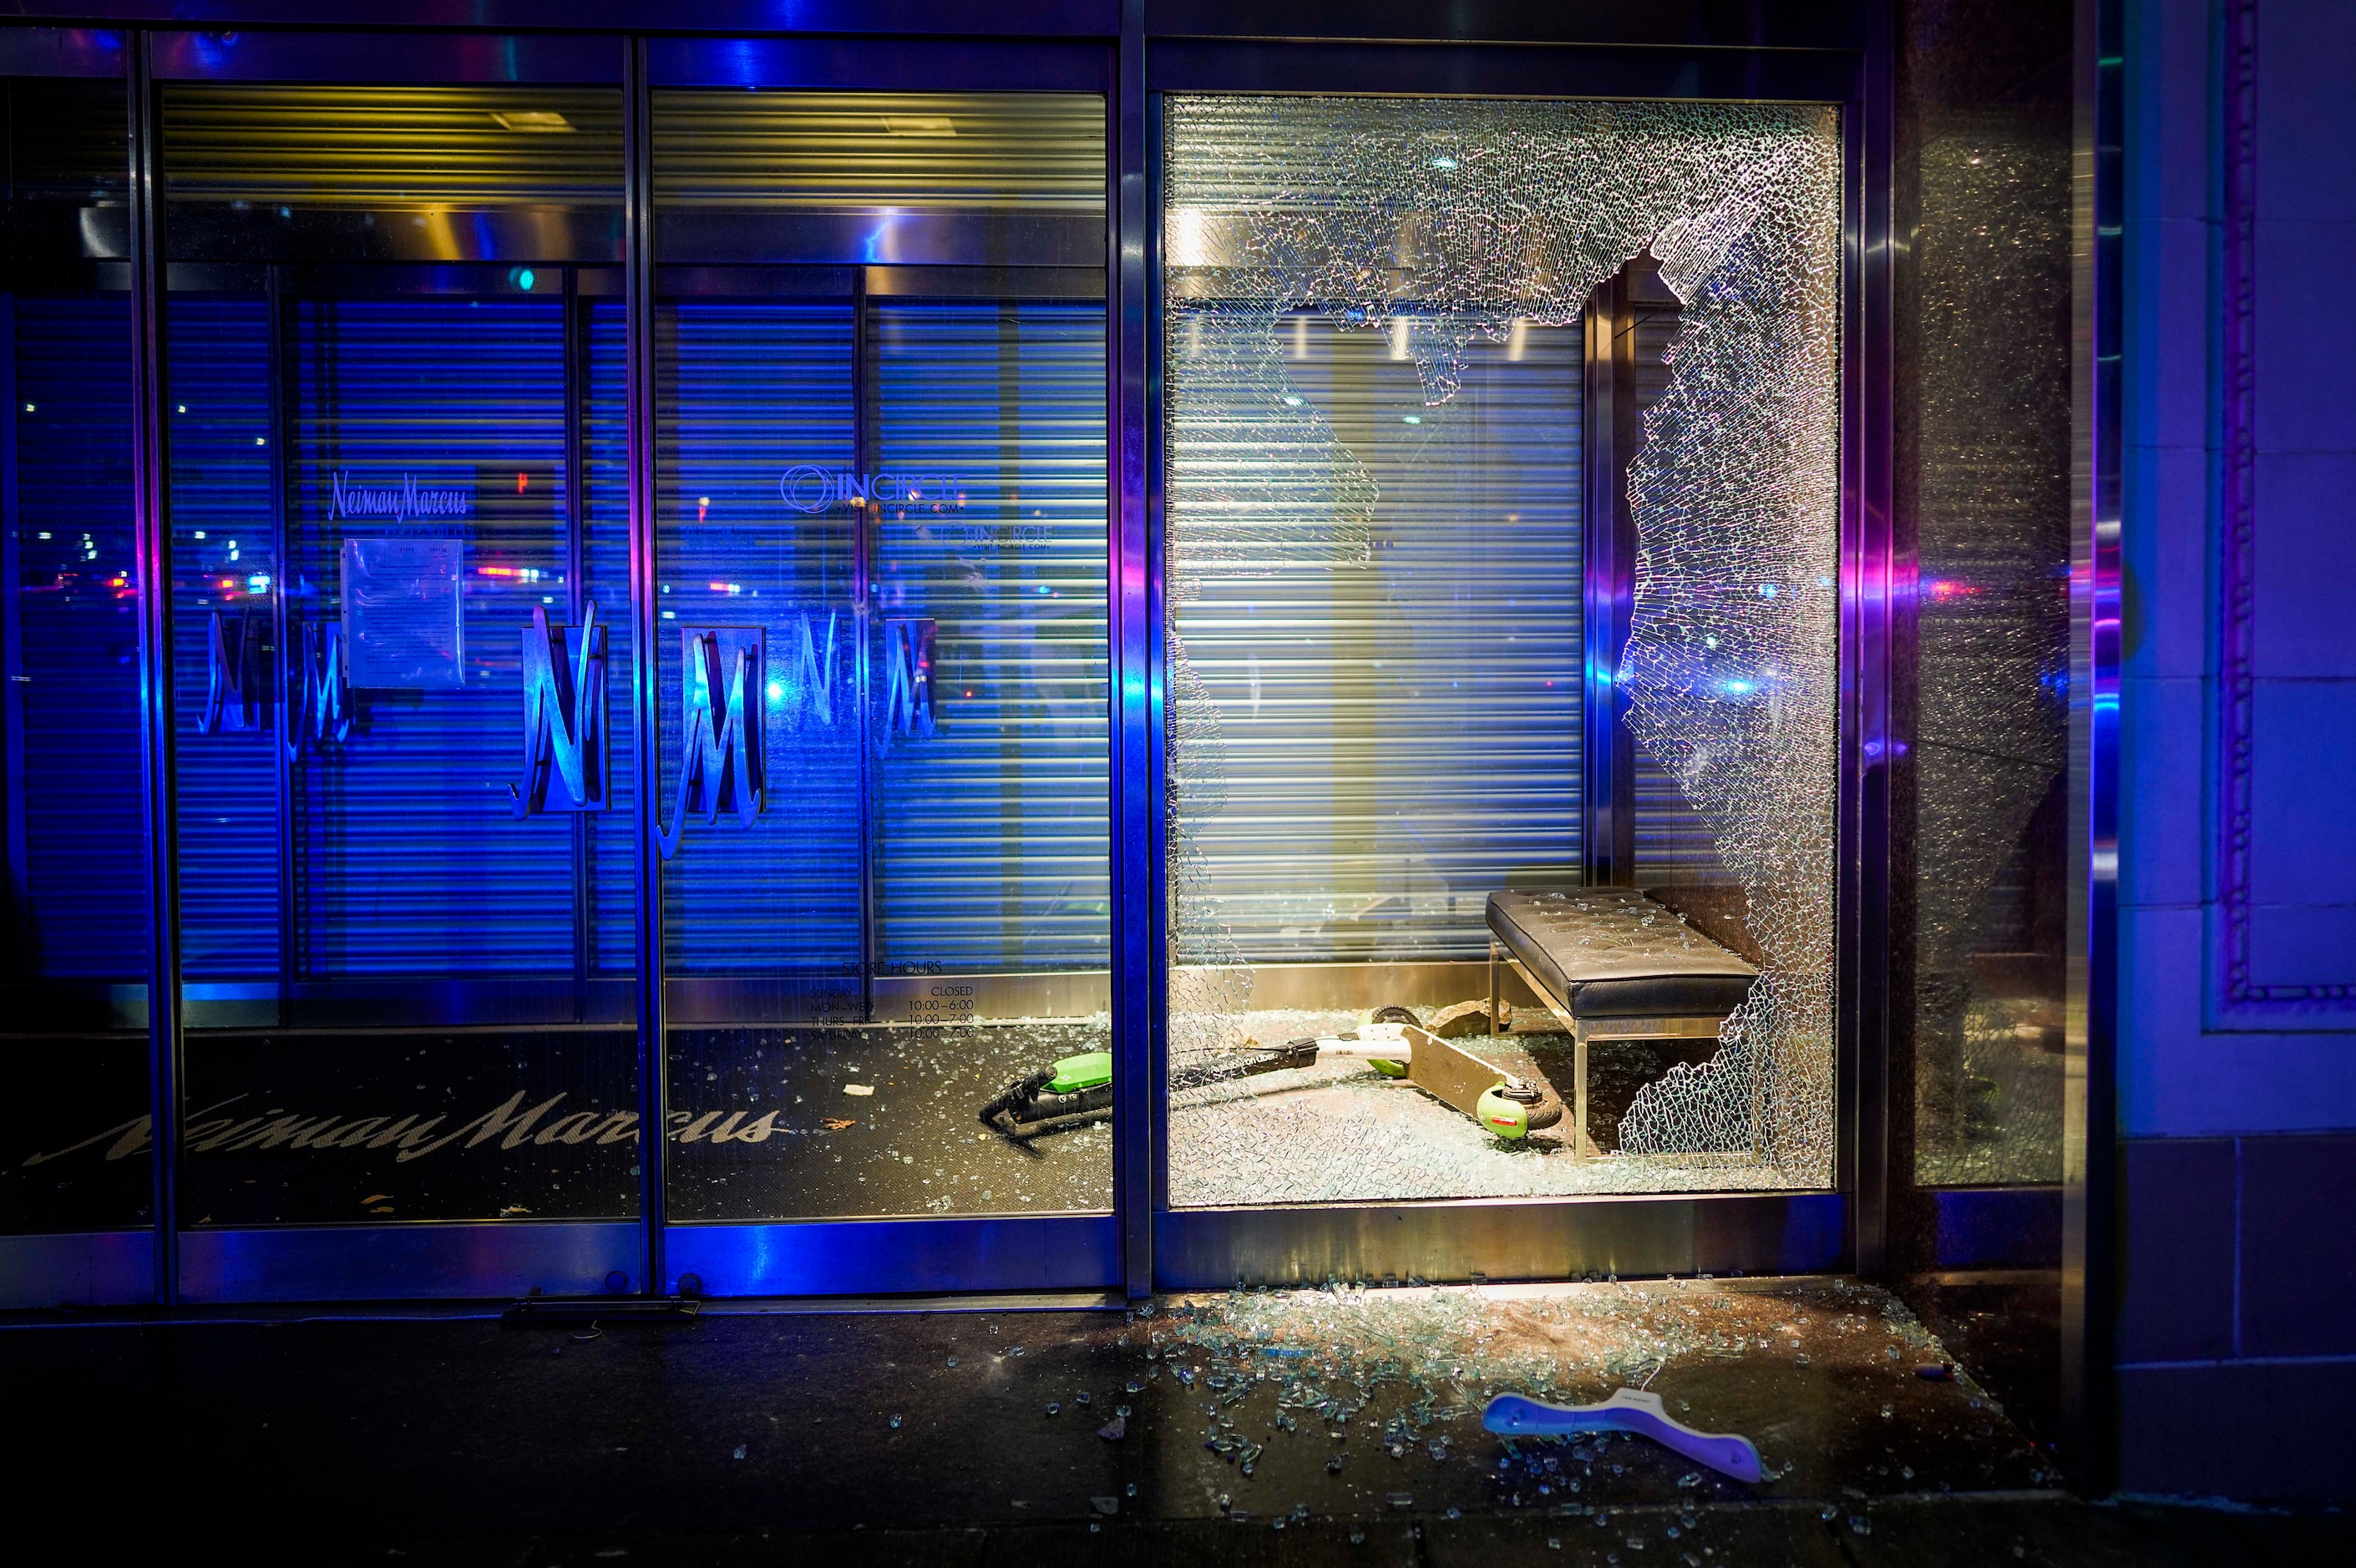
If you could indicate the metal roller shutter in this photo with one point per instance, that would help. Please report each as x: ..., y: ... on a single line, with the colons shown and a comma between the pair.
x: 612, y: 868
x: 747, y: 390
x: 409, y: 860
x: 1673, y: 840
x: 989, y: 834
x: 77, y: 844
x: 890, y: 150
x: 1400, y: 735
x: 993, y: 848
x: 1674, y: 843
x: 218, y: 369
x: 413, y: 860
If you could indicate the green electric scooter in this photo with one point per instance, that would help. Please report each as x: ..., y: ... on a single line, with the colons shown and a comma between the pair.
x: 1072, y: 1092
x: 1077, y: 1090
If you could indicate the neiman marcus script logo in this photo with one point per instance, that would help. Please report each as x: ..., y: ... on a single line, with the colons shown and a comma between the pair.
x: 348, y: 498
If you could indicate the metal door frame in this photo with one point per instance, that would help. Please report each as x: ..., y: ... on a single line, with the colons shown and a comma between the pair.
x: 477, y: 1259
x: 308, y: 1262
x: 844, y: 1257
x: 493, y: 1258
x: 95, y: 1266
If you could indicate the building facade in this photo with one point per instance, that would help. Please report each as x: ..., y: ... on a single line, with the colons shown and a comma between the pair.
x: 2235, y: 1090
x: 1103, y: 652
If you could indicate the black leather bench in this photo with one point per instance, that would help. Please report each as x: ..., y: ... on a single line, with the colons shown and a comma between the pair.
x: 1612, y: 964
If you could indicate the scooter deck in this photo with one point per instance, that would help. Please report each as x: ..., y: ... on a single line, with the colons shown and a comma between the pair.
x: 1457, y: 1077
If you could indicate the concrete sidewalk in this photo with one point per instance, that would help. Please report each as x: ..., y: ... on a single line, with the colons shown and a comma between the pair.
x: 1976, y: 1531
x: 1283, y: 1427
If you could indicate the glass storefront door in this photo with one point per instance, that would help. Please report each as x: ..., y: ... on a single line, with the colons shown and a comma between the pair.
x: 881, y: 675
x: 77, y: 1174
x: 425, y: 892
x: 398, y: 537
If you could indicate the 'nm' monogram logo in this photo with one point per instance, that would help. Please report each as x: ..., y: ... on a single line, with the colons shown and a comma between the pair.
x: 721, y: 761
x: 908, y: 649
x: 313, y: 701
x: 563, y: 719
x: 725, y: 694
x: 235, y: 687
x: 321, y: 710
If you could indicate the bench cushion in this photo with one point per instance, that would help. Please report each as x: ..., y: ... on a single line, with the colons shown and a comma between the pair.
x: 1611, y: 952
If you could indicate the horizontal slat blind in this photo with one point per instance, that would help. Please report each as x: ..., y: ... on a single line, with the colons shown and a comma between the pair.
x: 392, y: 147
x: 1398, y: 735
x: 993, y: 830
x: 218, y: 362
x: 748, y: 389
x: 74, y: 778
x: 898, y: 150
x: 413, y: 860
x: 613, y: 844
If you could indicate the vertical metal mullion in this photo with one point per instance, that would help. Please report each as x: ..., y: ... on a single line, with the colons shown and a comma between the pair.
x: 1627, y: 432
x: 864, y: 522
x: 645, y: 666
x: 1594, y: 727
x: 1140, y: 985
x: 1607, y: 829
x: 12, y: 624
x: 2090, y: 1107
x: 1862, y: 901
x: 154, y: 548
x: 1900, y: 1133
x: 285, y: 661
x: 576, y: 600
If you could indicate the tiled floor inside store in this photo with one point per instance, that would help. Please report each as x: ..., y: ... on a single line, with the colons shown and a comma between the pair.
x: 882, y: 1120
x: 1297, y: 1427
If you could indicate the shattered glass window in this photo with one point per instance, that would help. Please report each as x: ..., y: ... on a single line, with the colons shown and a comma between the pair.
x: 1374, y: 373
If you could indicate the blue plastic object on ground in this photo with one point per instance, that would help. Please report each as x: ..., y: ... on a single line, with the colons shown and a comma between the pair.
x: 1629, y: 1410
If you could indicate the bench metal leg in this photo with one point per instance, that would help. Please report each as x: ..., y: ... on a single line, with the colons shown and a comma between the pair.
x: 1493, y: 985
x: 1579, y: 1145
